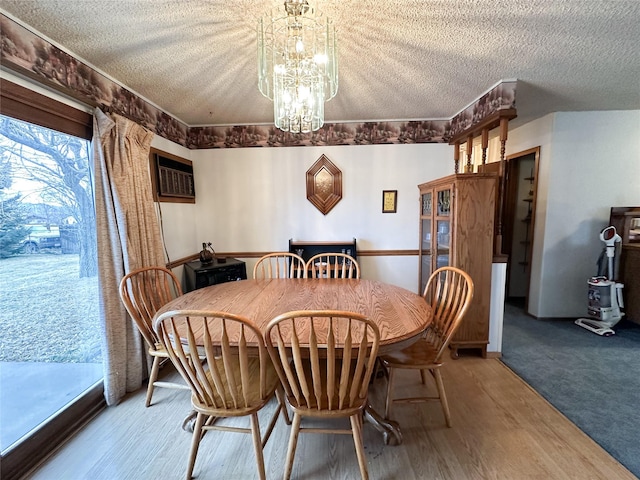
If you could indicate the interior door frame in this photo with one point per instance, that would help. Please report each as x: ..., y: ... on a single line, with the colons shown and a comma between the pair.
x: 512, y: 167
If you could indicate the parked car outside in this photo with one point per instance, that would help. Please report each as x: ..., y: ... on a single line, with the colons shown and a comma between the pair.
x: 41, y: 237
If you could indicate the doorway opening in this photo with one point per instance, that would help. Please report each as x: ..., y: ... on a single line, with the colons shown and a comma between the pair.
x: 521, y: 171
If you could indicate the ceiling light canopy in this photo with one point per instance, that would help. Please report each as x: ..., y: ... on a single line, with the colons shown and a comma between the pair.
x: 297, y: 65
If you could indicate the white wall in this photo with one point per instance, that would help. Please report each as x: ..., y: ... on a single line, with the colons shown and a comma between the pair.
x: 589, y: 162
x: 254, y: 199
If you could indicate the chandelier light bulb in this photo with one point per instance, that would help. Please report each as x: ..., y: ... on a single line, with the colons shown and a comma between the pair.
x: 303, y: 92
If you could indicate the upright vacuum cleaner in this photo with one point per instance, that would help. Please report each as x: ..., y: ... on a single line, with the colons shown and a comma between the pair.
x: 605, y: 294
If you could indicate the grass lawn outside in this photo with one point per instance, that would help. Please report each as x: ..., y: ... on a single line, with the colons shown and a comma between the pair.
x: 47, y: 312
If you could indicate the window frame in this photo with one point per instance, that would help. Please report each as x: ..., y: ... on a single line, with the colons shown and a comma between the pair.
x: 24, y: 104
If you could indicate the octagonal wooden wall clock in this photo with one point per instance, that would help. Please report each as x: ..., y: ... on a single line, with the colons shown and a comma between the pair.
x: 324, y: 184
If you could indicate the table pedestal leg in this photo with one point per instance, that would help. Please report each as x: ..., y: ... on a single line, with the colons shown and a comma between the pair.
x: 189, y: 422
x: 390, y: 430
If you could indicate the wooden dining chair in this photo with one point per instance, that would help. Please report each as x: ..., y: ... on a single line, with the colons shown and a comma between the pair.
x: 279, y: 265
x: 332, y: 265
x: 325, y: 359
x: 237, y: 379
x: 449, y: 292
x: 143, y: 292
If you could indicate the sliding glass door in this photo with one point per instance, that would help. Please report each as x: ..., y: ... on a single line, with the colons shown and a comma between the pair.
x: 50, y: 355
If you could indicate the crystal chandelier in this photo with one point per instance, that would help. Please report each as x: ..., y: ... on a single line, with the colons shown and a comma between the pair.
x: 297, y: 65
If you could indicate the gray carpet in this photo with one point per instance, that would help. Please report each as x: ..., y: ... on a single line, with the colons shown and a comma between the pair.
x: 594, y: 381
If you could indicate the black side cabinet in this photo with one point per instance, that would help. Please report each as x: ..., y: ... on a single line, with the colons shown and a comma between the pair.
x: 198, y: 275
x: 308, y: 249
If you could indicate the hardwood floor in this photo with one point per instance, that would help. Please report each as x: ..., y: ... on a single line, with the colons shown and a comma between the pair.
x: 502, y: 429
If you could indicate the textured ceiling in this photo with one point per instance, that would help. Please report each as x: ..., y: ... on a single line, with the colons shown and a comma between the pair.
x: 398, y: 60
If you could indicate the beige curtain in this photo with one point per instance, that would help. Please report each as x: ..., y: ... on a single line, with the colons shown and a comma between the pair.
x: 128, y: 238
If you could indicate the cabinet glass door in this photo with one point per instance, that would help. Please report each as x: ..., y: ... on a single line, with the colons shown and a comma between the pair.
x: 426, y: 204
x: 443, y: 243
x: 426, y: 244
x: 426, y: 259
x: 444, y: 202
x: 443, y: 229
x: 634, y: 230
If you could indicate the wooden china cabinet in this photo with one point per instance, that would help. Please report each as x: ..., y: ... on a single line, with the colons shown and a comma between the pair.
x: 627, y: 223
x: 457, y: 228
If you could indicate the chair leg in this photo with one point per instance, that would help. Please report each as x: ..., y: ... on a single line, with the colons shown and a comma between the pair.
x: 293, y: 442
x: 272, y: 424
x: 443, y: 396
x: 257, y: 445
x: 195, y: 443
x: 389, y: 401
x: 356, y: 427
x: 153, y: 376
x: 283, y: 405
x: 423, y: 376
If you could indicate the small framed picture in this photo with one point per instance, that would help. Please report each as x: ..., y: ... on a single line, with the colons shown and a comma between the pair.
x: 389, y: 201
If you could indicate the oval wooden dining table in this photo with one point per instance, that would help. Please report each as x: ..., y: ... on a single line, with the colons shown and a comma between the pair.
x: 401, y: 315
